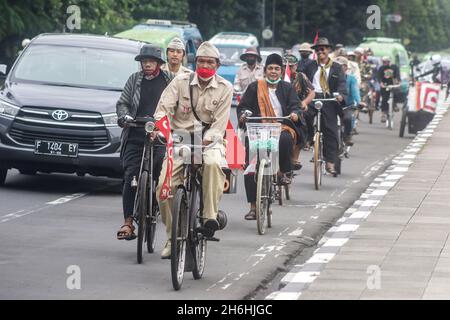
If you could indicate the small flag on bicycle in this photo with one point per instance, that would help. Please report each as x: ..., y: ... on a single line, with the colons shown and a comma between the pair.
x: 164, y: 126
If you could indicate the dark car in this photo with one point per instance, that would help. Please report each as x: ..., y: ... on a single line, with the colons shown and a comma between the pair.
x: 57, y: 105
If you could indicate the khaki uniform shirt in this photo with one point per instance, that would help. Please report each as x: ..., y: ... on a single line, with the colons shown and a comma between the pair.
x: 170, y: 74
x: 212, y: 105
x: 245, y: 76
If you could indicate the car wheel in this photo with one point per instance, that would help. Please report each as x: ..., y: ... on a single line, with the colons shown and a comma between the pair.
x: 3, y: 173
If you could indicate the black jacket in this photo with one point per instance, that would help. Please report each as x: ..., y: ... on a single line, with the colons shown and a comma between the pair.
x: 286, y: 94
x: 303, y: 64
x: 336, y: 78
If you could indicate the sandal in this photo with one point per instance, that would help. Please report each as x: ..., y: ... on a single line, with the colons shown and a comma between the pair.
x: 251, y: 215
x: 296, y: 165
x: 126, y: 232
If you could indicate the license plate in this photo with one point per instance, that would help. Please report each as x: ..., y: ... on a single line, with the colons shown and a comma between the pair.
x: 55, y: 148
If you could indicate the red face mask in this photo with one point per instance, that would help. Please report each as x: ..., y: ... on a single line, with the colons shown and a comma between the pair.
x: 205, y: 73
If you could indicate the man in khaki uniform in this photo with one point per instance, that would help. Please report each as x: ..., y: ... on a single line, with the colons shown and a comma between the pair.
x: 211, y: 99
x: 250, y: 71
x: 175, y: 54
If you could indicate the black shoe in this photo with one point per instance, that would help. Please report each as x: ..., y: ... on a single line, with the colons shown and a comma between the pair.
x: 209, y: 228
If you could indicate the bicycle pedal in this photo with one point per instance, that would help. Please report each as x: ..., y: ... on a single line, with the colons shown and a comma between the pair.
x: 212, y: 239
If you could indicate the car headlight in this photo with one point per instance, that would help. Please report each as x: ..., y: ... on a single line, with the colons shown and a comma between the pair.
x: 110, y: 119
x: 8, y: 110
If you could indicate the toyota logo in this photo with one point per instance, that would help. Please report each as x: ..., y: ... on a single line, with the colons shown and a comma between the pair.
x: 60, y: 115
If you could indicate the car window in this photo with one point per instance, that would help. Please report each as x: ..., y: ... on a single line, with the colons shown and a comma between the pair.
x: 230, y: 55
x: 76, y: 66
x: 403, y: 58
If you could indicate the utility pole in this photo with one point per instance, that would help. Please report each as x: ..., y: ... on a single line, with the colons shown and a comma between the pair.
x: 274, y: 3
x: 302, y: 3
x: 263, y: 14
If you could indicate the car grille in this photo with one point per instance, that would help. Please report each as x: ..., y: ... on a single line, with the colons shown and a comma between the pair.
x: 36, y: 123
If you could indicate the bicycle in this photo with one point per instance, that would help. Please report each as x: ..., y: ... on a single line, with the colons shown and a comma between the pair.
x: 390, y: 115
x: 318, y: 161
x: 188, y: 239
x: 264, y: 139
x: 145, y: 218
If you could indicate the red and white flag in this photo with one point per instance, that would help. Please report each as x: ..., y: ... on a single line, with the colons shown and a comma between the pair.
x: 164, y: 126
x: 287, y: 73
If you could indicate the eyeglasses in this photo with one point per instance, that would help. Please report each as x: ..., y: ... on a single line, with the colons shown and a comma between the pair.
x: 320, y: 49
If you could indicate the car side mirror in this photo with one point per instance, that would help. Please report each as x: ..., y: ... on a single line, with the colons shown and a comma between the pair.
x: 3, y: 68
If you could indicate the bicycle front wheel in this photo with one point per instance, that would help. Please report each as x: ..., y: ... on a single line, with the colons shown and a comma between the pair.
x: 262, y: 196
x: 179, y: 237
x: 317, y: 161
x: 198, y: 243
x: 151, y: 226
x: 141, y: 210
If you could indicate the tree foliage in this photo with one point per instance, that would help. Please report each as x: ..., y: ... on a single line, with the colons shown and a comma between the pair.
x: 425, y: 24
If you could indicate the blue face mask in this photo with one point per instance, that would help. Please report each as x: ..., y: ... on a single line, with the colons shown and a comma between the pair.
x: 273, y: 81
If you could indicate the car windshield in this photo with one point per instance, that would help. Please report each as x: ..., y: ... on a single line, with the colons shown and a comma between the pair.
x: 230, y: 55
x: 76, y: 66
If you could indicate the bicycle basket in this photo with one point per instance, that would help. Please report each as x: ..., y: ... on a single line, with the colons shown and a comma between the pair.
x: 263, y: 136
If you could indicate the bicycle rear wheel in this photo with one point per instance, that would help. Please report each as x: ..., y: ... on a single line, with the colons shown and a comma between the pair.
x: 141, y: 210
x: 198, y: 243
x: 317, y: 161
x: 280, y: 192
x: 179, y: 237
x: 262, y: 196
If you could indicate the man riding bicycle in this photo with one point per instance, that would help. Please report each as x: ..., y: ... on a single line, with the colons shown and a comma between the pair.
x: 139, y: 99
x: 202, y: 97
x: 388, y: 74
x: 271, y: 97
x: 328, y: 78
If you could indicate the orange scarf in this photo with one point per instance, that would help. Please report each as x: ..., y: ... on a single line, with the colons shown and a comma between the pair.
x: 266, y: 109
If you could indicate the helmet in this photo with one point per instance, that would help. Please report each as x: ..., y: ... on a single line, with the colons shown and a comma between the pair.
x: 436, y: 58
x: 386, y: 58
x: 150, y: 51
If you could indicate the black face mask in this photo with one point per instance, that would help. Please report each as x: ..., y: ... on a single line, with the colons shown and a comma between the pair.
x: 251, y: 61
x: 304, y: 55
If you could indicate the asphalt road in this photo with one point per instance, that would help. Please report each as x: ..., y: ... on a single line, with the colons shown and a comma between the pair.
x: 49, y: 223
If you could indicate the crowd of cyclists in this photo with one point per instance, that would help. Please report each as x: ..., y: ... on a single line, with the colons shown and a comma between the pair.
x: 351, y: 82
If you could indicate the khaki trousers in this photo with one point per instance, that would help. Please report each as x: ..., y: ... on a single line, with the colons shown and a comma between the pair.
x: 213, y: 180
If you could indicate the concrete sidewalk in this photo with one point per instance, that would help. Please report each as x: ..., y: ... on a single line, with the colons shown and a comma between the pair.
x: 400, y: 249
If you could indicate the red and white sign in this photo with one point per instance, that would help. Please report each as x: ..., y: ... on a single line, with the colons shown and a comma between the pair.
x: 427, y: 96
x: 164, y: 126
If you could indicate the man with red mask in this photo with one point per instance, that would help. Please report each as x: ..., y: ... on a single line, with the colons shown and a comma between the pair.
x: 139, y: 99
x: 202, y: 98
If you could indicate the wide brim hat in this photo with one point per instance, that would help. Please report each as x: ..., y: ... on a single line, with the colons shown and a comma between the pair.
x: 150, y: 51
x: 322, y: 42
x: 305, y: 47
x: 250, y: 52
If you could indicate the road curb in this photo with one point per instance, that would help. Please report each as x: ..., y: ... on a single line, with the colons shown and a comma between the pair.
x: 300, y: 277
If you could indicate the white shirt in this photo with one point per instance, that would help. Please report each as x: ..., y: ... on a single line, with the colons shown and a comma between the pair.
x: 275, y: 102
x: 316, y: 79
